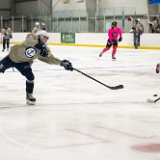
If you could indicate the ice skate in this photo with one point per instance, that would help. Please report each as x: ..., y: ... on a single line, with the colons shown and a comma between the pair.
x: 7, y: 49
x: 113, y: 58
x: 2, y: 50
x: 157, y: 68
x: 100, y: 55
x: 30, y: 100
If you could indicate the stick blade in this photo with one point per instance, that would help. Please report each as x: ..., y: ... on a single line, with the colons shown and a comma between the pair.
x: 117, y: 87
x: 150, y: 100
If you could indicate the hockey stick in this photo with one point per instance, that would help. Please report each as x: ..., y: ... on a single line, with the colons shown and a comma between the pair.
x: 153, y: 101
x: 112, y: 88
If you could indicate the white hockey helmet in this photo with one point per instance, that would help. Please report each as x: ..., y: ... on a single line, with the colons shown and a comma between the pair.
x: 139, y: 19
x: 43, y: 33
x: 37, y: 24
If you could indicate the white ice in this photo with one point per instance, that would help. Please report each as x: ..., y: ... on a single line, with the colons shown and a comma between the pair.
x: 76, y: 118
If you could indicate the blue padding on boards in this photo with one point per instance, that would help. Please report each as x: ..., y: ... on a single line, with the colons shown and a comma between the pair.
x: 154, y: 1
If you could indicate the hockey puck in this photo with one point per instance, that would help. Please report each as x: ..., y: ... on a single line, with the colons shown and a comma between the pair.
x: 155, y: 95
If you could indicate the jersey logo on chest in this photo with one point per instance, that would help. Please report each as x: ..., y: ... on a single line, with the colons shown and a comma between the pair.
x: 114, y: 34
x: 30, y: 52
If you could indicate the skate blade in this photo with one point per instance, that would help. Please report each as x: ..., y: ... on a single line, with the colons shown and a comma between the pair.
x: 113, y: 59
x: 30, y: 102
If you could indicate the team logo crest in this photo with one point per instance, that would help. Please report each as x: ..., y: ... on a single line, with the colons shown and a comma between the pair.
x: 30, y: 52
x: 114, y: 34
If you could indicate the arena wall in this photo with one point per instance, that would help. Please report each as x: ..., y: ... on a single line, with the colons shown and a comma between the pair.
x: 148, y: 41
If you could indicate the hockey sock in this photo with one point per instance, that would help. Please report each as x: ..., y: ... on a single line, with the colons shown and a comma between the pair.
x: 29, y: 86
x: 114, y: 50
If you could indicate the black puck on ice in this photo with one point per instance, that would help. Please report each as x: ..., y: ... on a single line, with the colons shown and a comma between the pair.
x: 155, y: 95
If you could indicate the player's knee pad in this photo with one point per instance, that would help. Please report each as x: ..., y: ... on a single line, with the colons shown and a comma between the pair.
x: 28, y: 74
x: 115, y: 47
x: 106, y: 49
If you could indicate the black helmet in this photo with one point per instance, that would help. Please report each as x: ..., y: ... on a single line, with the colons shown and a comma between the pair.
x: 114, y: 23
x: 5, y: 26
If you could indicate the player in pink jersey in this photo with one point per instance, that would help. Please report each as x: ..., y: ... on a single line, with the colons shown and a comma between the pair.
x: 114, y: 34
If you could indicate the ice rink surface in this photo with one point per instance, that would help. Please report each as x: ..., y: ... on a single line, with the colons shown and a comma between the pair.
x: 76, y: 118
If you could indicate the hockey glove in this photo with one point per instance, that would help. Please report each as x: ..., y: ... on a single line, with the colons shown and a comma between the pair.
x: 120, y: 39
x: 67, y: 65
